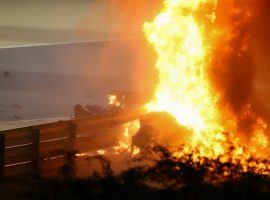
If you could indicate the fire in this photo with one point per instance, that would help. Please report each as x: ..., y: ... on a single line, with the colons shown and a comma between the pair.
x: 183, y: 89
x: 184, y: 36
x: 113, y: 100
x: 125, y: 142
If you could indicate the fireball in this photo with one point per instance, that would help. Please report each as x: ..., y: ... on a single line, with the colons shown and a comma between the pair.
x: 185, y: 36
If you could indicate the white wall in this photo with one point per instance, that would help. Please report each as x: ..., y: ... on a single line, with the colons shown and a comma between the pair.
x: 48, y: 21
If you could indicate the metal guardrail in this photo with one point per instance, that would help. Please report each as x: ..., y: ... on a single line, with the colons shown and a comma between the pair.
x: 35, y: 149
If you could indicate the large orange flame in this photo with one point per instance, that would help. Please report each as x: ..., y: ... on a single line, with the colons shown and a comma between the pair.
x: 184, y: 36
x: 183, y: 89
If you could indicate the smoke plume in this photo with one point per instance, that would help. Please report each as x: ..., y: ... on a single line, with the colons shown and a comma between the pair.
x: 234, y: 66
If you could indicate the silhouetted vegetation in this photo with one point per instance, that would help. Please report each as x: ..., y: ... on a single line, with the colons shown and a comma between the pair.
x: 68, y: 170
x: 161, y: 176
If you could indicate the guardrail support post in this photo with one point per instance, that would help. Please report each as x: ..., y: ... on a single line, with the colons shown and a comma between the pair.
x: 72, y: 137
x: 36, y: 156
x: 2, y: 155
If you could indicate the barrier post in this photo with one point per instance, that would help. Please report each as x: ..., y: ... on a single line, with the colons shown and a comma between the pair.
x: 2, y: 155
x: 36, y: 152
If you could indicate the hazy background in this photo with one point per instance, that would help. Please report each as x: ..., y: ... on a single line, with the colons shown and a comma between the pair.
x: 48, y: 21
x: 103, y: 50
x: 38, y: 21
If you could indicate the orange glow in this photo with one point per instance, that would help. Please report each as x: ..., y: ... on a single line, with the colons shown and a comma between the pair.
x: 101, y: 152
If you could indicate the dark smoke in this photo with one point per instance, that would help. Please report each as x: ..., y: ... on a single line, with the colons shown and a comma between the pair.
x: 260, y: 50
x: 235, y: 68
